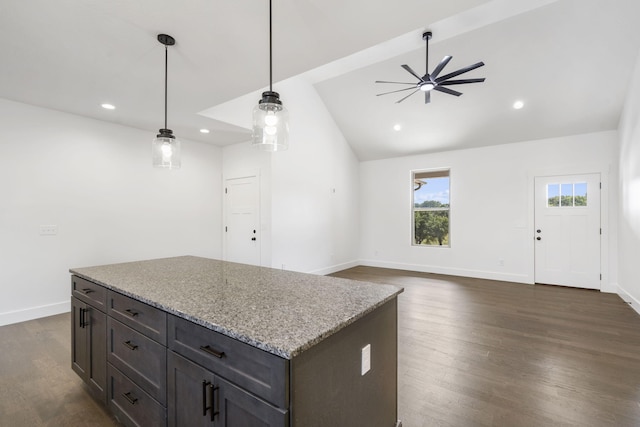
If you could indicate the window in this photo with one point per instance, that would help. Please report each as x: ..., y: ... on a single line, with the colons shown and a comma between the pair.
x: 430, y: 208
x: 567, y: 195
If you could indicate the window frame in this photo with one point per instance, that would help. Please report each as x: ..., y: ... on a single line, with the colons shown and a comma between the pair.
x: 432, y: 173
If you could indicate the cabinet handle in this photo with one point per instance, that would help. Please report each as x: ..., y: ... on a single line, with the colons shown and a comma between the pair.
x: 81, y: 320
x: 129, y: 345
x: 130, y: 398
x: 131, y: 312
x: 213, y: 411
x: 87, y: 291
x: 209, y: 350
x: 210, y: 406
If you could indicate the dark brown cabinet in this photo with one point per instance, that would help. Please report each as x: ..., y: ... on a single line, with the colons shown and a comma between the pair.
x: 198, y: 397
x: 88, y: 348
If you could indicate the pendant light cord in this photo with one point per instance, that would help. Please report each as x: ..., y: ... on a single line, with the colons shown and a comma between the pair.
x: 166, y: 61
x: 270, y: 53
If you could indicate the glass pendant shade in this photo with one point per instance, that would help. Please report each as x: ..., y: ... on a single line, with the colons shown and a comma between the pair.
x: 270, y: 124
x: 165, y: 150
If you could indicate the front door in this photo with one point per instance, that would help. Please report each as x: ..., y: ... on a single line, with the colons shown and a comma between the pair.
x: 242, y: 199
x: 567, y: 230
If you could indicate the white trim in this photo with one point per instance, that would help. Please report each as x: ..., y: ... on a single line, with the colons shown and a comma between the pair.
x: 34, y: 312
x: 626, y: 297
x: 478, y: 274
x: 335, y: 268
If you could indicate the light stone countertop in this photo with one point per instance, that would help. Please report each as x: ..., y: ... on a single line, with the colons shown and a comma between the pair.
x: 282, y: 312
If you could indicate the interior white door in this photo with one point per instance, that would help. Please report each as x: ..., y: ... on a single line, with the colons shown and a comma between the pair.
x: 567, y: 230
x: 242, y: 199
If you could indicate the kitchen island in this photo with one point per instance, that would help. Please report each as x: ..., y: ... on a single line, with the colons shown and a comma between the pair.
x: 190, y: 341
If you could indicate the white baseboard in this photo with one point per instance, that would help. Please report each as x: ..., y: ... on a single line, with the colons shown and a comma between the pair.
x: 478, y: 274
x: 34, y: 313
x: 334, y: 268
x: 626, y: 297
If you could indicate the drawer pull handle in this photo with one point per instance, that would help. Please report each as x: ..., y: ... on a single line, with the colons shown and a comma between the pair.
x: 130, y: 398
x: 129, y: 345
x: 209, y: 350
x: 131, y: 312
x: 87, y: 291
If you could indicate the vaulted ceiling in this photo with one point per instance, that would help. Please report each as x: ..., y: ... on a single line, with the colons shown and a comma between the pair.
x: 570, y: 61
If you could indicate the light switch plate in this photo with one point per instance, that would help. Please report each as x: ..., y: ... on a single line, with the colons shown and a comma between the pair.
x: 366, y: 359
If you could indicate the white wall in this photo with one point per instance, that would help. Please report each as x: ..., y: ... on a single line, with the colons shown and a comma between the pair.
x: 629, y: 207
x: 93, y: 180
x: 312, y: 187
x: 491, y: 206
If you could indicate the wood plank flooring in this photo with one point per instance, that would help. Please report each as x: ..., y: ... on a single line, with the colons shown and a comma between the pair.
x: 486, y: 353
x: 471, y: 353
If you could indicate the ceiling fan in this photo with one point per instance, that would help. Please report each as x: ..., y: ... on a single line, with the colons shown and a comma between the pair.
x: 430, y: 82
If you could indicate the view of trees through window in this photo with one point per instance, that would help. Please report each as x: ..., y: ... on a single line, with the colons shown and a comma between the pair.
x: 431, y: 208
x: 567, y: 195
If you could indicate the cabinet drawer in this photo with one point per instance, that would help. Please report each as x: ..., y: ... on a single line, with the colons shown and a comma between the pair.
x: 131, y: 404
x: 145, y: 319
x: 89, y: 292
x: 138, y: 357
x: 255, y: 370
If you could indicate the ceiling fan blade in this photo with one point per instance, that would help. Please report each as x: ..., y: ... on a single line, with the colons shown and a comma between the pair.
x: 398, y: 83
x: 413, y: 73
x: 461, y: 82
x: 447, y: 90
x: 394, y: 91
x: 440, y: 66
x: 398, y: 102
x: 460, y: 71
x: 427, y: 97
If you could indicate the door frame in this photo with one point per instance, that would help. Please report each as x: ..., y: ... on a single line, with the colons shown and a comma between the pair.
x: 247, y: 174
x: 604, y: 170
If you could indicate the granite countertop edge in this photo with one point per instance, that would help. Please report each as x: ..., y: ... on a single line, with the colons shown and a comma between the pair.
x: 286, y: 354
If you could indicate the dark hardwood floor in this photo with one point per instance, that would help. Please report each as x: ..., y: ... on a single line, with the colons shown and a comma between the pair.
x: 471, y: 353
x: 486, y: 353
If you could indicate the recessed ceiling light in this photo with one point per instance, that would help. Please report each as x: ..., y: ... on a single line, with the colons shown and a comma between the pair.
x: 518, y: 105
x: 108, y: 106
x: 397, y: 127
x: 204, y: 130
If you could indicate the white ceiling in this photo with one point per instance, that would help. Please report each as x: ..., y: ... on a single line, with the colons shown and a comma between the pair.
x: 569, y: 60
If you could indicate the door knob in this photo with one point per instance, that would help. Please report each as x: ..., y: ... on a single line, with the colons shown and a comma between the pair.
x: 538, y: 238
x: 538, y: 231
x: 253, y: 238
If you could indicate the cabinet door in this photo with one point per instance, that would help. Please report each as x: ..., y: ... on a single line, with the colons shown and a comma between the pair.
x: 97, y: 352
x: 239, y: 408
x: 89, y: 346
x: 190, y: 397
x: 79, y: 349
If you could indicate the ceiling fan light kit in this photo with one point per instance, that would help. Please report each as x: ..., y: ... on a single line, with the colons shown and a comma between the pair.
x: 270, y: 118
x: 433, y: 81
x: 165, y: 149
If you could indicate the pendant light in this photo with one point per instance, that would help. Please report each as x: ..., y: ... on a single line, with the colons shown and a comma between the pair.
x: 270, y: 118
x: 166, y: 148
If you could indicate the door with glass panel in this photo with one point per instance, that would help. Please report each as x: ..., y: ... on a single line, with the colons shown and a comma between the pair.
x: 567, y: 230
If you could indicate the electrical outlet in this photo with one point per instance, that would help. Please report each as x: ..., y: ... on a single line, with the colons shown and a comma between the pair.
x: 366, y: 359
x: 48, y: 230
